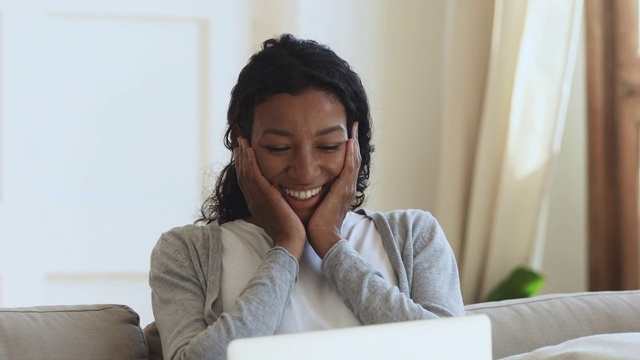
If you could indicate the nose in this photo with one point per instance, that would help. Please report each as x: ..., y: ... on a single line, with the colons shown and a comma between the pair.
x: 304, y: 167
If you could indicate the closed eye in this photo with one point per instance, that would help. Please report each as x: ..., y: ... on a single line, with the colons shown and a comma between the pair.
x: 277, y: 149
x: 330, y: 148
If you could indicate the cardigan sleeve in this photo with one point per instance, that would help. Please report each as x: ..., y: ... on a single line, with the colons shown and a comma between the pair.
x: 433, y: 288
x: 178, y: 280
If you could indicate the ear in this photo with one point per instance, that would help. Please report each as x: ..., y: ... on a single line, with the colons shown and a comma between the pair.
x: 235, y: 134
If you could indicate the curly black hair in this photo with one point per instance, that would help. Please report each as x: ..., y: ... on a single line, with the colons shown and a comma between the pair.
x: 289, y: 65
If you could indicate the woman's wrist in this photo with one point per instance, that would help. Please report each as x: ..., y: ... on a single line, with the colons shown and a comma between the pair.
x: 324, y: 242
x: 294, y: 246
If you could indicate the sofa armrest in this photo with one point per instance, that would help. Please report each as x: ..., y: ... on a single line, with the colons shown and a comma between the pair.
x: 523, y: 325
x: 152, y: 336
x: 71, y: 332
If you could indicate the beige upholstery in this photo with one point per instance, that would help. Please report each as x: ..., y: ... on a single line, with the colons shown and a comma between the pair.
x: 153, y: 341
x: 523, y: 325
x: 97, y: 332
x: 619, y: 346
x: 113, y: 332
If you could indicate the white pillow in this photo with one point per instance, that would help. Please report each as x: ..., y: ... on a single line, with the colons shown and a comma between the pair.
x: 621, y: 346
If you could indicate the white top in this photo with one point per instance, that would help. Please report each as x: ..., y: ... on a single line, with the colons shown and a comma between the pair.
x: 315, y: 304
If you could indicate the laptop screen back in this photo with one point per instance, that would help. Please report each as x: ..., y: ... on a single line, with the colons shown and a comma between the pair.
x: 467, y: 337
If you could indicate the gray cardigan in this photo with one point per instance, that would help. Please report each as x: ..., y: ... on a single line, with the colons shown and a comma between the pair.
x: 185, y: 284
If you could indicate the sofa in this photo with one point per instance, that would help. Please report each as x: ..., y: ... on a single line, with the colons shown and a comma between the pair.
x: 521, y: 328
x: 564, y: 326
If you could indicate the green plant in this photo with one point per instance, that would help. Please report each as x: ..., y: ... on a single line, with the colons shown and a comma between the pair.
x: 521, y: 283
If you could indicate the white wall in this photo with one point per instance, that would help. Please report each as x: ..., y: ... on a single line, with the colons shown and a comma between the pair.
x: 110, y: 113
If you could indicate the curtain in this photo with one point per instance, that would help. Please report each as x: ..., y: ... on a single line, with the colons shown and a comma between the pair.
x: 494, y: 190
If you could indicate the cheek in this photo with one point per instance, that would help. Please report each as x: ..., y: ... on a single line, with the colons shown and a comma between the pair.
x: 335, y: 163
x: 269, y: 166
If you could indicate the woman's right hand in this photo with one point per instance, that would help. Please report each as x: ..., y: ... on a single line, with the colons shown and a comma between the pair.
x: 268, y: 208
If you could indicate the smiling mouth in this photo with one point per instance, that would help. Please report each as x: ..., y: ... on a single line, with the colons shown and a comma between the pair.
x: 302, y: 195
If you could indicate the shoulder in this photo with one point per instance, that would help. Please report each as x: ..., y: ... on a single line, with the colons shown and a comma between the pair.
x: 417, y: 228
x: 410, y: 218
x: 187, y: 241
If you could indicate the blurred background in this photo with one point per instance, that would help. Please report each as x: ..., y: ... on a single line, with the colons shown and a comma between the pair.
x: 112, y: 115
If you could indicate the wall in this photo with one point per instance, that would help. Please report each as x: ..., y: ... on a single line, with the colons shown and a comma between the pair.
x: 110, y: 113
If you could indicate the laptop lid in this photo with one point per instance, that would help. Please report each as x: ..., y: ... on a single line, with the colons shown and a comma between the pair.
x: 466, y: 337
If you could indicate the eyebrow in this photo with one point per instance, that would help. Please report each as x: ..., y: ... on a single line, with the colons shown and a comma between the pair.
x: 329, y: 130
x: 318, y: 133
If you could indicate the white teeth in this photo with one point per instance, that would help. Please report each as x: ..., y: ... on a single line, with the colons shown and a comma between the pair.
x: 303, y: 195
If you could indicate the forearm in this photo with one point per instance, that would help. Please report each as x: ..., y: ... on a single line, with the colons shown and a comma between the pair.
x: 372, y: 299
x: 185, y: 332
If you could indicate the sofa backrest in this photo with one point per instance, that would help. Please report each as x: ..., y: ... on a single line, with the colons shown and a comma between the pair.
x: 113, y: 331
x: 69, y: 332
x: 523, y: 325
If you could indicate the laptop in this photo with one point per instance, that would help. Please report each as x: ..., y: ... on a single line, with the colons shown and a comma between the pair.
x: 465, y: 337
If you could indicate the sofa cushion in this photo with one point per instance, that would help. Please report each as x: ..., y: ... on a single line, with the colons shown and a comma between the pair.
x: 621, y: 346
x: 523, y: 325
x: 71, y: 332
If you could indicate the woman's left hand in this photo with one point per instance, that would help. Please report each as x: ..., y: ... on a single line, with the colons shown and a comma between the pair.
x: 324, y: 226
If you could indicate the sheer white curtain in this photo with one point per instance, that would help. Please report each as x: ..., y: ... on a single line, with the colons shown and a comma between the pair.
x: 493, y: 192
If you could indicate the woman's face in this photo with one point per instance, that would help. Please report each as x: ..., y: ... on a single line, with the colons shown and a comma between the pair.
x: 299, y: 142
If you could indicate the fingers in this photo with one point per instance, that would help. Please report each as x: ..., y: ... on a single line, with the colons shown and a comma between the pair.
x: 344, y: 188
x: 255, y: 187
x: 249, y: 176
x: 246, y: 165
x: 355, y: 136
x: 240, y: 156
x: 356, y: 158
x: 352, y: 159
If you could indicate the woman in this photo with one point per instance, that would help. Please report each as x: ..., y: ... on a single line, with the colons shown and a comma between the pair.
x: 282, y: 248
